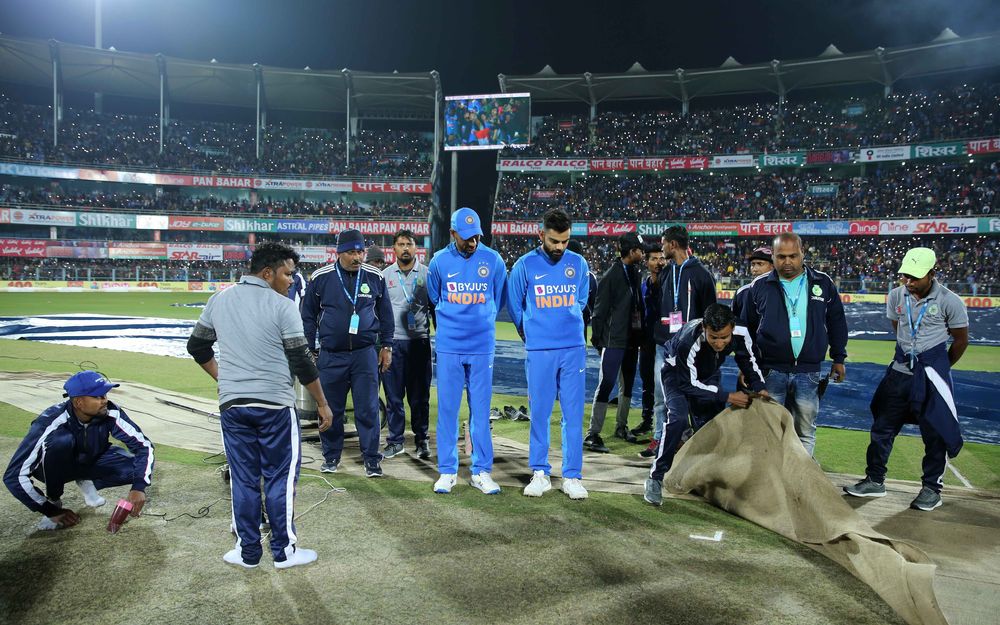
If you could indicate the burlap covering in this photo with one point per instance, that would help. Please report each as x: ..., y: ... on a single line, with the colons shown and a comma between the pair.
x: 750, y: 463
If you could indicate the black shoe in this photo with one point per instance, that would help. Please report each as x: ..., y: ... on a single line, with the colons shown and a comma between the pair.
x: 510, y: 412
x: 423, y: 450
x: 373, y: 469
x: 645, y: 427
x: 623, y: 433
x: 522, y: 414
x: 594, y: 442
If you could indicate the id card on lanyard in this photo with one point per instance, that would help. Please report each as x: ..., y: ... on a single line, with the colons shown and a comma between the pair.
x: 676, y: 317
x: 794, y: 326
x: 355, y: 322
x: 914, y: 328
x: 411, y: 317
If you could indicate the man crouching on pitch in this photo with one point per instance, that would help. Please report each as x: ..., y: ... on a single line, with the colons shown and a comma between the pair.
x: 692, y: 382
x: 261, y: 344
x: 69, y: 441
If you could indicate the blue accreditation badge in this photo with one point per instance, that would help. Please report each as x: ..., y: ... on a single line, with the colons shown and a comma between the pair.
x: 355, y: 322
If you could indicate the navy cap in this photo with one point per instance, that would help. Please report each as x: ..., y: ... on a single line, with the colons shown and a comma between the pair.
x: 350, y: 239
x: 88, y: 384
x: 465, y: 222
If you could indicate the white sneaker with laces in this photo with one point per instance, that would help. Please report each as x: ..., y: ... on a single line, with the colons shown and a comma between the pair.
x: 46, y: 524
x: 90, y: 495
x: 484, y: 482
x: 540, y: 484
x: 444, y: 483
x: 235, y: 556
x: 298, y: 558
x: 573, y: 487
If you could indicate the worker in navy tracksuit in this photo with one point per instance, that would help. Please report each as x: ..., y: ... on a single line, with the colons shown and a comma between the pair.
x: 761, y: 262
x: 298, y: 288
x: 692, y: 382
x: 347, y: 303
x: 69, y: 441
x: 795, y: 316
x: 917, y: 387
x: 466, y: 284
x: 547, y: 290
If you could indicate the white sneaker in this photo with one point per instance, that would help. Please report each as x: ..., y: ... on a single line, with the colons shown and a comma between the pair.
x: 298, y: 557
x: 573, y: 487
x: 484, y: 482
x: 90, y: 495
x: 540, y: 484
x: 46, y: 524
x: 235, y: 556
x: 445, y: 482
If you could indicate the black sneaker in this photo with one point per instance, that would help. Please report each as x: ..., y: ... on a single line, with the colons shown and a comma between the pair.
x: 522, y: 414
x: 866, y: 488
x: 926, y: 500
x: 392, y: 449
x: 623, y: 433
x: 594, y: 442
x: 650, y: 451
x: 510, y: 412
x: 495, y: 414
x: 645, y: 427
x: 330, y: 466
x: 423, y: 450
x: 373, y: 470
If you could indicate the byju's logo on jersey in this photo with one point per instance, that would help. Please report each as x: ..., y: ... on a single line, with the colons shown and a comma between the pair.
x: 467, y: 292
x: 555, y: 295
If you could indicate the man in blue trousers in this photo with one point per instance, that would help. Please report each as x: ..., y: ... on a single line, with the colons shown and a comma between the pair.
x: 261, y: 346
x: 917, y: 387
x: 547, y: 291
x: 466, y: 285
x: 69, y: 441
x: 347, y: 304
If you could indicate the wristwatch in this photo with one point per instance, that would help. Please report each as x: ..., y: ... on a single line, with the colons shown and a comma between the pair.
x: 388, y: 347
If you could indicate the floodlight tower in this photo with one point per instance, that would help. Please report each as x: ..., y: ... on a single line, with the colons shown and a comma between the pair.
x: 98, y: 97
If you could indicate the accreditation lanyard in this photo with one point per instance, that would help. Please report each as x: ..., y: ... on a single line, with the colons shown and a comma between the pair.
x: 355, y: 319
x: 676, y: 275
x: 914, y: 328
x: 794, y: 326
x: 411, y: 318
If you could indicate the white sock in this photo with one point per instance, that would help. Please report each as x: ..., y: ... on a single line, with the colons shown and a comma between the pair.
x: 47, y: 524
x: 90, y: 496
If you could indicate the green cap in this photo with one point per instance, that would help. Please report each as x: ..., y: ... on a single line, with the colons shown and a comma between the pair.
x: 918, y: 262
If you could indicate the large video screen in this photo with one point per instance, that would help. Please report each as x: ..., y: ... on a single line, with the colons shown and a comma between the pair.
x: 487, y: 122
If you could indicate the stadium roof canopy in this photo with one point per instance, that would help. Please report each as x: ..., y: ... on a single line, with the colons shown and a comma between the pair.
x: 947, y: 53
x: 40, y: 63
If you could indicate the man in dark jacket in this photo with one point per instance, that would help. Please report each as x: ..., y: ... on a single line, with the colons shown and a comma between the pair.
x: 647, y: 351
x: 69, y: 441
x: 692, y: 382
x: 617, y: 334
x: 795, y: 314
x: 687, y: 289
x: 348, y: 304
x: 588, y: 311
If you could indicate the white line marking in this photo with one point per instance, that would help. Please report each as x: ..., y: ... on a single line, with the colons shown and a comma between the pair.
x: 715, y: 539
x: 961, y: 478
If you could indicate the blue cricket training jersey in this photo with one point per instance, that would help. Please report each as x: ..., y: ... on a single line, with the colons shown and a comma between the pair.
x: 546, y: 299
x: 467, y: 294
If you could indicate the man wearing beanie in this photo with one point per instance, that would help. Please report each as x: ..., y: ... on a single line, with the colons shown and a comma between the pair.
x: 347, y: 303
x: 466, y: 282
x: 761, y: 262
x: 917, y: 386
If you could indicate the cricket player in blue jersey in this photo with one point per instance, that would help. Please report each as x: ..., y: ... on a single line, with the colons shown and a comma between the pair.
x: 466, y: 284
x: 546, y: 293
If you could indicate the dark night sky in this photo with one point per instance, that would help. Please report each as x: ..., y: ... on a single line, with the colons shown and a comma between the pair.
x: 471, y: 42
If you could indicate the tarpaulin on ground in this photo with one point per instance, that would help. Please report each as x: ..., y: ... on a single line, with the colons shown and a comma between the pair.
x: 750, y: 463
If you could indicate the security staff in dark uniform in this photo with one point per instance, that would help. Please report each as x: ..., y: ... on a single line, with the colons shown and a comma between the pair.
x: 346, y: 302
x: 588, y: 311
